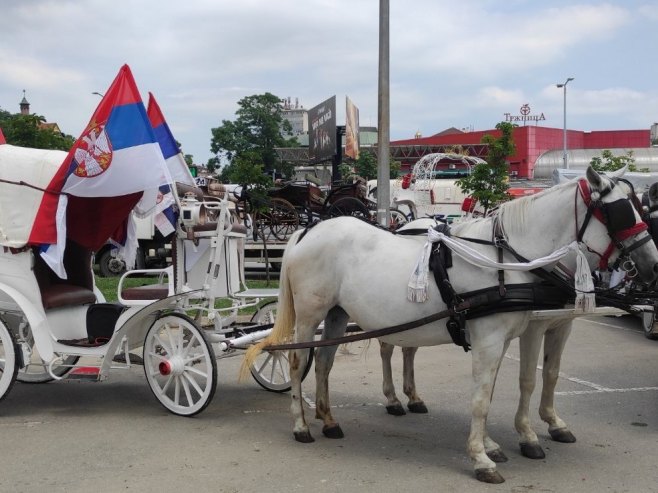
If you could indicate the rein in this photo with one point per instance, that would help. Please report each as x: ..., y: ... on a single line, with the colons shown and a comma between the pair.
x: 371, y: 334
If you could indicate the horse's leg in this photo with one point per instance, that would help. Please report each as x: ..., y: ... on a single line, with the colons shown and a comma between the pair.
x: 554, y: 342
x: 304, y: 330
x: 486, y: 361
x: 335, y: 324
x: 393, y: 404
x: 529, y: 346
x: 493, y: 450
x: 415, y: 404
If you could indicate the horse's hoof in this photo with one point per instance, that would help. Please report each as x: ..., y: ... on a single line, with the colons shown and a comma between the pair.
x: 417, y: 407
x: 304, y: 436
x: 562, y: 435
x: 395, y: 410
x: 333, y: 431
x: 497, y: 456
x: 490, y: 476
x: 532, y: 451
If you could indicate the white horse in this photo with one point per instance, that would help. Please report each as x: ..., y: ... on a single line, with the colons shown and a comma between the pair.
x: 554, y: 334
x: 329, y: 274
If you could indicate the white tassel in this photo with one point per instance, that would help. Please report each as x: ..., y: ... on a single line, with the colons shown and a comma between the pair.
x: 585, y: 299
x: 417, y: 286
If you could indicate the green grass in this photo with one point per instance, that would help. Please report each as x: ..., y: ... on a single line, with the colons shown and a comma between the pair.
x: 108, y: 286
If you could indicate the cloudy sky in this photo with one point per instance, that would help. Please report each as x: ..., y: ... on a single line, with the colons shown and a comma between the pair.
x: 452, y: 63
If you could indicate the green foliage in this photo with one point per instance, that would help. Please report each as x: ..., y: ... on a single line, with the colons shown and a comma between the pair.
x: 488, y: 182
x: 252, y: 138
x: 189, y: 159
x: 610, y: 162
x: 366, y: 167
x: 26, y: 131
x: 212, y: 165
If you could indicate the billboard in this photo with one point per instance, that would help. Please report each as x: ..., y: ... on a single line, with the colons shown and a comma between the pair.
x: 351, y: 129
x: 322, y: 131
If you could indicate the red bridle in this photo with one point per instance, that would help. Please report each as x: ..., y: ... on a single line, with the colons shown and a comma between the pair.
x: 595, y: 208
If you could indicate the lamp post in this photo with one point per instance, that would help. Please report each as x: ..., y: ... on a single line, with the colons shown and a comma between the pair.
x: 97, y: 94
x: 565, y: 162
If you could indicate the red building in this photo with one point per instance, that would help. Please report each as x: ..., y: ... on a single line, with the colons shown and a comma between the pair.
x: 533, y: 141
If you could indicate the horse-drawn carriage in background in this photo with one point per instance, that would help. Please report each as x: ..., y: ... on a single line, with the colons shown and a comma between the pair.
x: 285, y: 208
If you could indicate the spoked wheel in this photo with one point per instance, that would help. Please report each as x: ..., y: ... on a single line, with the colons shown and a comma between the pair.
x: 349, y: 206
x: 398, y: 219
x: 180, y: 365
x: 8, y: 361
x: 271, y: 370
x: 281, y: 218
x: 36, y: 370
x: 648, y: 323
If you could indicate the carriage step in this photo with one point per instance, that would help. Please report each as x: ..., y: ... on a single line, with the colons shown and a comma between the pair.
x: 89, y: 373
x: 134, y: 359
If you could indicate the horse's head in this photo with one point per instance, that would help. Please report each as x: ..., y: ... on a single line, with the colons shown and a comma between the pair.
x: 619, y: 236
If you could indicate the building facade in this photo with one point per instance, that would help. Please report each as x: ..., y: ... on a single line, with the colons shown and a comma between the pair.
x: 532, y: 142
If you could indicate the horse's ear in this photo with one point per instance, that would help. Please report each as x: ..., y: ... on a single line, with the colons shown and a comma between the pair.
x: 594, y: 178
x: 653, y: 192
x: 619, y: 173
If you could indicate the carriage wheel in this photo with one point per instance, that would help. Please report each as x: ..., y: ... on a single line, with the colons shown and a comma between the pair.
x: 349, y: 206
x: 180, y: 365
x: 281, y: 218
x: 36, y: 370
x: 398, y: 219
x: 271, y: 370
x: 648, y: 323
x: 8, y: 360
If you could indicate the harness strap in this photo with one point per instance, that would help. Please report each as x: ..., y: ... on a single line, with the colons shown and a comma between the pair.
x: 364, y: 335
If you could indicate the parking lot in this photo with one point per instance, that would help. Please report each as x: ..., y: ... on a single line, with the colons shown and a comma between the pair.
x: 114, y: 436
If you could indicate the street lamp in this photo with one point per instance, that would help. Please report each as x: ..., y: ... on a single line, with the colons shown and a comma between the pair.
x: 97, y: 94
x: 564, y: 133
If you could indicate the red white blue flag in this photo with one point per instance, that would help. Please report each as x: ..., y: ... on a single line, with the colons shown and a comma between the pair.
x: 115, y: 164
x: 165, y: 219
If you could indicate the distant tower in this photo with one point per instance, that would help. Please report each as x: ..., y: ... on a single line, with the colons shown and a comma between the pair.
x: 25, y: 106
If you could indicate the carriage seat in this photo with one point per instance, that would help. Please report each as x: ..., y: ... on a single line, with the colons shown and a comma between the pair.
x: 78, y: 289
x: 147, y: 292
x: 182, y: 189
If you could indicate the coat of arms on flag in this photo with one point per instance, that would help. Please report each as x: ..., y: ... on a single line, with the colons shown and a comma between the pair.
x: 97, y: 156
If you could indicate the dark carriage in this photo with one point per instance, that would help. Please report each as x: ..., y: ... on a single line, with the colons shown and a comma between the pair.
x: 295, y: 204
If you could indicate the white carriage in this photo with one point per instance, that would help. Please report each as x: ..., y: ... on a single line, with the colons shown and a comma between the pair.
x: 55, y: 326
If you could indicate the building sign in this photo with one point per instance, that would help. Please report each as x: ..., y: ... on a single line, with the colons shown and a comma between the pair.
x: 322, y: 131
x: 351, y: 130
x: 524, y: 116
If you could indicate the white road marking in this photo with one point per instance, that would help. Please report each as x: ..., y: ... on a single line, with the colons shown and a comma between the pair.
x: 595, y: 388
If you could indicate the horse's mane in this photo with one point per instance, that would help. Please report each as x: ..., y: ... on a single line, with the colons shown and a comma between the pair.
x: 514, y: 214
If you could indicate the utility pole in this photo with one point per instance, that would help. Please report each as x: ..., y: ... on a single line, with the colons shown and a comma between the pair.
x: 383, y: 119
x: 565, y: 160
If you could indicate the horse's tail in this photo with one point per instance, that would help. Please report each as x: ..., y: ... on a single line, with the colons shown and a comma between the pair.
x: 285, y: 315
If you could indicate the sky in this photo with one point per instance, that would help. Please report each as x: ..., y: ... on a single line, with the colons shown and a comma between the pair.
x: 452, y: 64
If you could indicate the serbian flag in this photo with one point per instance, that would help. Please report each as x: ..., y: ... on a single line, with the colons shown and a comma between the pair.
x: 178, y: 168
x: 2, y: 138
x: 165, y: 219
x: 114, y: 165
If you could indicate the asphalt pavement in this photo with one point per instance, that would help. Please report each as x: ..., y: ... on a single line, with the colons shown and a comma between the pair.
x: 114, y: 436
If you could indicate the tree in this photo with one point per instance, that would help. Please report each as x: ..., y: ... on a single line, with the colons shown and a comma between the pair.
x: 366, y: 167
x: 610, y: 162
x: 28, y: 131
x: 252, y: 138
x: 488, y: 182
